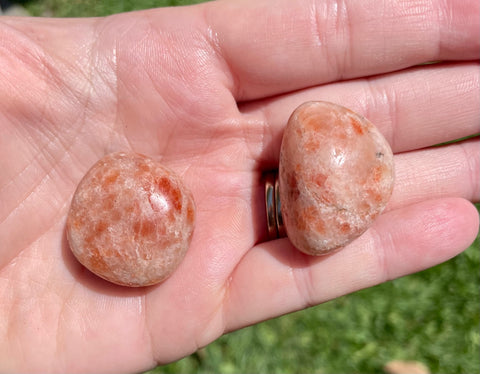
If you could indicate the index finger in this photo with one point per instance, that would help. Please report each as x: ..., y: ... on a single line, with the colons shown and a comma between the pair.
x: 270, y: 47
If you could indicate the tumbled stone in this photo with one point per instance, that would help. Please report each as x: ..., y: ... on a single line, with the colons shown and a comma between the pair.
x: 405, y: 367
x: 131, y: 220
x: 336, y: 176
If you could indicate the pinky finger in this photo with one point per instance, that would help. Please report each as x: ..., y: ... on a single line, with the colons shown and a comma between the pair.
x: 274, y: 278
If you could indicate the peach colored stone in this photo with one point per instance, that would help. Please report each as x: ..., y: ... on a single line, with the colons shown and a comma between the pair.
x: 406, y: 367
x: 131, y: 220
x: 336, y: 176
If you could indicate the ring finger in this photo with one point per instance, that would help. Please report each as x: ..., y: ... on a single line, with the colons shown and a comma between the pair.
x: 450, y: 171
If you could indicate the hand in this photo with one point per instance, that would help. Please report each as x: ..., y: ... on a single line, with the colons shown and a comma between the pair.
x: 208, y: 90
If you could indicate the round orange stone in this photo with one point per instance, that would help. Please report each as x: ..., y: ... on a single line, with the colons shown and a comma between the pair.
x: 336, y: 176
x: 131, y: 220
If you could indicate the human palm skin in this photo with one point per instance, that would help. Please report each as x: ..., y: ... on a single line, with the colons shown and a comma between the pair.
x: 208, y: 90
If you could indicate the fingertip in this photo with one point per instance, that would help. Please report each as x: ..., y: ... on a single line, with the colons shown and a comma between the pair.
x: 426, y: 234
x: 468, y: 220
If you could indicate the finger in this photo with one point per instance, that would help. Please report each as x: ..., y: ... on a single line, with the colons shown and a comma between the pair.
x: 274, y: 278
x: 439, y: 172
x: 413, y: 109
x: 276, y: 47
x: 449, y: 171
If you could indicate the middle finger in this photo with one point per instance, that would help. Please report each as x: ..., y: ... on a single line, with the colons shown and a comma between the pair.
x: 413, y: 109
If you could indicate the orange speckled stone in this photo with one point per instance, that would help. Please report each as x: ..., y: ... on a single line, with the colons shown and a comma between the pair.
x: 336, y: 176
x: 131, y: 220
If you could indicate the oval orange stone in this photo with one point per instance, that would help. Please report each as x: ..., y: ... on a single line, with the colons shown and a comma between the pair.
x: 336, y: 176
x: 131, y: 220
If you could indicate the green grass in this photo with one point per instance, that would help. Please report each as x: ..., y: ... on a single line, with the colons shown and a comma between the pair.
x: 432, y: 316
x: 93, y: 8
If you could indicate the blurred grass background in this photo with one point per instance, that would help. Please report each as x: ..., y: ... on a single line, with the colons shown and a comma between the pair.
x: 93, y: 8
x: 432, y: 317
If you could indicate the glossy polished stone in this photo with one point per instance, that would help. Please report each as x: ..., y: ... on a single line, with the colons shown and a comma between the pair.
x: 131, y: 220
x: 336, y: 176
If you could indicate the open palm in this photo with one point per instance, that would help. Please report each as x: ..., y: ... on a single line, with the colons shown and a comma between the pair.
x: 207, y: 90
